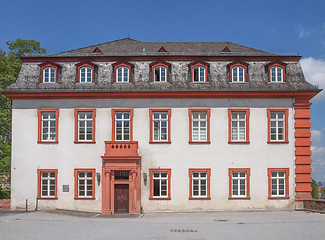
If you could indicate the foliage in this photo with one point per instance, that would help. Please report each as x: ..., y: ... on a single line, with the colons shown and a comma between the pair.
x: 314, y: 191
x: 4, y: 194
x: 323, y: 193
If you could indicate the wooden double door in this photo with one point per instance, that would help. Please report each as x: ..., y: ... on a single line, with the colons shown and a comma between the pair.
x: 121, y: 198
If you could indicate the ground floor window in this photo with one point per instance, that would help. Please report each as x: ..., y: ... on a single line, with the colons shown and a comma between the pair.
x: 160, y: 184
x: 47, y: 183
x: 239, y: 186
x: 278, y: 182
x: 199, y: 183
x: 84, y: 183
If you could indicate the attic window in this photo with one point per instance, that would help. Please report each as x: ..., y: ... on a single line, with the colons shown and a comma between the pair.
x: 85, y: 72
x: 162, y: 49
x: 238, y: 71
x: 199, y: 71
x: 276, y: 71
x: 226, y: 49
x: 159, y: 71
x: 96, y: 50
x: 49, y: 72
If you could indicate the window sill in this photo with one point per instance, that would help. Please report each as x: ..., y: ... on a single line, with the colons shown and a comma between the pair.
x: 238, y: 82
x: 43, y: 142
x: 199, y: 198
x: 275, y: 82
x: 278, y: 198
x: 277, y: 142
x: 80, y: 142
x: 206, y: 82
x: 239, y: 198
x: 47, y: 198
x: 151, y: 142
x: 246, y: 142
x: 151, y: 198
x: 92, y: 198
x: 191, y: 142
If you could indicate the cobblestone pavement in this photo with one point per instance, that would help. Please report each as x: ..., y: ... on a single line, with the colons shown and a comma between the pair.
x: 196, y: 226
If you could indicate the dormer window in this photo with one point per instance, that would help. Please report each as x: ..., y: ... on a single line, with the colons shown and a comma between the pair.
x: 86, y: 72
x: 122, y: 72
x: 49, y: 72
x: 276, y: 71
x: 159, y: 71
x: 199, y: 72
x: 238, y: 72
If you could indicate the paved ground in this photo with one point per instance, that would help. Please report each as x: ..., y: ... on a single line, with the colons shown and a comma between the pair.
x: 196, y: 226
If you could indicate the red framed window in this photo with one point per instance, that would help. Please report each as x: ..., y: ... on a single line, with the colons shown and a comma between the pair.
x: 84, y: 123
x: 238, y: 72
x: 238, y: 127
x: 199, y: 71
x: 122, y: 72
x: 160, y: 125
x: 48, y: 124
x: 160, y: 184
x: 47, y: 184
x: 160, y: 71
x: 278, y: 179
x: 49, y: 72
x: 86, y: 72
x: 122, y: 121
x: 199, y: 184
x: 84, y: 184
x: 276, y: 71
x: 239, y: 183
x: 199, y: 125
x: 277, y: 125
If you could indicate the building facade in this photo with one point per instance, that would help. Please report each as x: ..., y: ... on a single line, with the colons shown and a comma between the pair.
x: 130, y: 126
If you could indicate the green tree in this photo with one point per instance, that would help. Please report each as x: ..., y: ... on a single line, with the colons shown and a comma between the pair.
x: 10, y: 64
x: 314, y: 191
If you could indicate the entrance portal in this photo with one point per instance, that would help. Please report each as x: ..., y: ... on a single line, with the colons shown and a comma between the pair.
x: 121, y: 198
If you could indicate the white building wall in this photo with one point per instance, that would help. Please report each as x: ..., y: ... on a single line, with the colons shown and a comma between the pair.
x: 179, y: 156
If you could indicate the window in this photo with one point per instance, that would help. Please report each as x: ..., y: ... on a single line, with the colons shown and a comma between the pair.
x: 160, y: 74
x: 160, y: 125
x: 238, y: 72
x: 49, y: 72
x: 85, y: 125
x: 199, y: 125
x: 86, y: 72
x: 276, y: 71
x: 84, y: 184
x: 48, y: 125
x: 239, y: 185
x: 122, y: 124
x: 47, y: 183
x: 238, y: 125
x: 277, y: 125
x: 199, y: 184
x: 160, y: 184
x: 122, y: 72
x: 199, y: 72
x: 278, y: 183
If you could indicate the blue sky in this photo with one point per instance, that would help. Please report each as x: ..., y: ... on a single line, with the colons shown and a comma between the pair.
x: 275, y: 26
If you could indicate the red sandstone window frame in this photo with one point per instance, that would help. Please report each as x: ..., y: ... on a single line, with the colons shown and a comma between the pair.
x: 76, y: 125
x: 49, y: 64
x: 39, y: 116
x: 238, y: 64
x: 85, y: 64
x: 286, y: 114
x: 279, y: 64
x: 190, y: 114
x: 208, y: 173
x: 122, y: 64
x: 199, y: 64
x: 151, y: 131
x: 39, y: 184
x: 76, y: 183
x: 151, y: 171
x: 230, y: 111
x: 269, y: 174
x: 113, y: 112
x: 159, y: 63
x: 230, y: 172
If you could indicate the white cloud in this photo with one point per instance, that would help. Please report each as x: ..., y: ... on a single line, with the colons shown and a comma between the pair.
x: 314, y: 70
x: 316, y: 136
x: 319, y: 151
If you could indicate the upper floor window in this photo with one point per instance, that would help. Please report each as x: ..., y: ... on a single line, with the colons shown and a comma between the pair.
x: 48, y: 125
x: 49, y: 72
x: 122, y: 124
x: 85, y: 125
x: 86, y: 72
x: 199, y: 125
x: 238, y: 72
x: 122, y: 72
x: 160, y: 125
x: 276, y: 71
x: 159, y: 71
x: 199, y: 71
x: 238, y: 125
x: 277, y: 125
x: 47, y: 183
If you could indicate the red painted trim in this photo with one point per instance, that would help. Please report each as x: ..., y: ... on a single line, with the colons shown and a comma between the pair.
x: 76, y: 125
x: 86, y: 64
x: 155, y: 95
x: 248, y: 174
x: 162, y: 49
x: 159, y: 63
x: 151, y: 112
x: 46, y: 65
x: 199, y: 64
x: 39, y: 196
x: 286, y: 126
x: 269, y: 172
x: 113, y: 112
x: 208, y: 172
x: 277, y: 64
x: 122, y: 64
x: 151, y: 197
x: 39, y: 116
x: 226, y: 49
x: 190, y: 113
x: 76, y: 183
x: 230, y: 111
x: 238, y: 64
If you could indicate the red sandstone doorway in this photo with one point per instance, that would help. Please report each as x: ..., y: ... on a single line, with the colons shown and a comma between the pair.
x: 121, y: 198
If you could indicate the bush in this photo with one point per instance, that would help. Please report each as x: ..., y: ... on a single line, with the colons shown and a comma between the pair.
x: 4, y: 194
